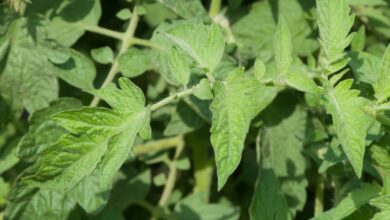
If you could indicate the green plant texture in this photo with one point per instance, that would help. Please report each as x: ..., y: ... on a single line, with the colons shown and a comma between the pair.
x: 195, y: 110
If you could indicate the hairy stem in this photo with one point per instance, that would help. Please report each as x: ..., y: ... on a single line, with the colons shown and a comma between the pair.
x: 128, y: 35
x: 104, y: 31
x: 215, y: 7
x: 171, y: 180
x: 121, y: 35
x: 163, y: 144
x: 171, y: 98
x: 146, y: 43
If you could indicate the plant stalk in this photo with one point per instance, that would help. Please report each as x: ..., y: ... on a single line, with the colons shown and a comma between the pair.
x: 171, y: 180
x: 215, y: 7
x: 171, y: 98
x: 104, y: 31
x: 163, y: 144
x: 130, y: 31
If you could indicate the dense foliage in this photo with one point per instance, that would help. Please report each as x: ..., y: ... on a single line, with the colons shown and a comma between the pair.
x: 195, y: 110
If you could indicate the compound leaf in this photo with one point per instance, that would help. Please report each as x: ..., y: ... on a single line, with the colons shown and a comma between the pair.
x: 98, y: 134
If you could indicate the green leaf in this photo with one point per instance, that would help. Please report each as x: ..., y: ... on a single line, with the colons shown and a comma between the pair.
x: 132, y: 186
x: 8, y: 150
x: 195, y: 207
x: 183, y: 163
x: 204, y: 44
x: 350, y: 121
x: 103, y: 55
x: 385, y: 215
x: 159, y: 180
x: 100, y: 137
x: 283, y: 46
x: 29, y: 202
x: 89, y: 195
x: 157, y: 13
x: 203, y: 90
x: 380, y: 153
x: 378, y: 20
x: 259, y: 70
x: 352, y: 202
x: 120, y: 147
x: 27, y: 80
x: 268, y: 201
x: 78, y: 71
x: 66, y: 21
x: 298, y: 78
x: 179, y: 67
x: 187, y: 9
x: 237, y: 101
x: 256, y: 41
x: 124, y: 14
x: 183, y: 120
x: 284, y: 125
x: 365, y: 67
x: 133, y: 62
x: 128, y: 99
x: 359, y: 41
x: 382, y: 88
x: 44, y: 132
x: 333, y: 156
x: 381, y: 202
x: 64, y: 164
x: 335, y: 22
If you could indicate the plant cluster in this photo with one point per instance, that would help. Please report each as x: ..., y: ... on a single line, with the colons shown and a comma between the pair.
x: 162, y: 109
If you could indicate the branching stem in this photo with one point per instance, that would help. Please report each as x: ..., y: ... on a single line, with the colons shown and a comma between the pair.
x: 171, y: 180
x: 128, y: 35
x: 171, y: 98
x: 104, y: 31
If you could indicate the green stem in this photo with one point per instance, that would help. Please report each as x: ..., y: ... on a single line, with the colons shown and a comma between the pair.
x: 159, y: 145
x: 215, y: 7
x: 171, y: 98
x: 203, y: 169
x: 120, y: 36
x: 318, y: 203
x: 171, y: 180
x: 104, y: 31
x: 128, y: 35
x: 146, y: 43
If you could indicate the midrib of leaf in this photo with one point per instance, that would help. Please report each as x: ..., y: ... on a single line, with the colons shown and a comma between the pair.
x: 229, y: 119
x: 331, y: 94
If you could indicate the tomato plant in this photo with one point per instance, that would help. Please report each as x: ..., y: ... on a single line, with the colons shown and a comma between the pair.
x: 190, y: 109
